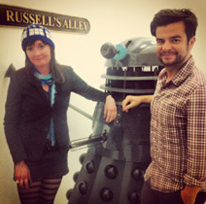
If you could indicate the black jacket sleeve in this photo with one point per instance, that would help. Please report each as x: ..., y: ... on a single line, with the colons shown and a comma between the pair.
x: 81, y: 87
x: 11, y: 120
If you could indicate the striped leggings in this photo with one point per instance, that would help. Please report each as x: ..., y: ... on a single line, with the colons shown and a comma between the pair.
x: 40, y: 192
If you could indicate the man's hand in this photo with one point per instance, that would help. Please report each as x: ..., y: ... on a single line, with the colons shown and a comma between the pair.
x: 189, y: 194
x: 132, y: 101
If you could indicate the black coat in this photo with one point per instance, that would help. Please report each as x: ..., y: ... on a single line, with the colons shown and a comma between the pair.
x: 28, y: 112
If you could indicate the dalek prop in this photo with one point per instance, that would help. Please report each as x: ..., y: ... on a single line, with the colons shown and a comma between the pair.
x: 118, y: 153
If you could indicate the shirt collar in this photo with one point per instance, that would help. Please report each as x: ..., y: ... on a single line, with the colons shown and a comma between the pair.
x: 182, y: 74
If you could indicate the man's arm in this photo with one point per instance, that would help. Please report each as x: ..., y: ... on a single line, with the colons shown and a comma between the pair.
x: 195, y: 177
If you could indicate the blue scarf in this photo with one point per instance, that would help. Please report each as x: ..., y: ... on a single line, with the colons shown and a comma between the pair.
x: 48, y: 80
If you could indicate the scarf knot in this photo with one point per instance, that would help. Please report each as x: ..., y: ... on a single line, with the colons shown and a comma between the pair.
x: 48, y: 80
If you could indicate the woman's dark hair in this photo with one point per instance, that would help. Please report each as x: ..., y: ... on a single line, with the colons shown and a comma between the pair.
x: 55, y: 69
x: 168, y: 16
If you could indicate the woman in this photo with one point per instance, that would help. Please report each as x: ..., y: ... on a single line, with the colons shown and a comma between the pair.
x: 36, y: 120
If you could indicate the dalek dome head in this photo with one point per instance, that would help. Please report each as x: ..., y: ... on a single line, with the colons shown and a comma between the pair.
x: 134, y: 52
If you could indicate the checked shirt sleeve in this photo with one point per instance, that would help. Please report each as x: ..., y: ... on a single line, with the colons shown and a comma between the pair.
x: 196, y: 138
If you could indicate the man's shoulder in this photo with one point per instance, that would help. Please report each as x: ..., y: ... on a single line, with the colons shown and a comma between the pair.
x: 196, y: 79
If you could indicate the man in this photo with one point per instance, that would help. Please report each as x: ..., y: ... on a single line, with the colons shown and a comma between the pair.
x: 177, y: 173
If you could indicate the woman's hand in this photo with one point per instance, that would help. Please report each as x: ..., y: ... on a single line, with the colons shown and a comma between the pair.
x: 22, y: 175
x: 110, y: 109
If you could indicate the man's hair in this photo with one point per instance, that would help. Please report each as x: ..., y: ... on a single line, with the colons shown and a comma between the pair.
x: 168, y: 16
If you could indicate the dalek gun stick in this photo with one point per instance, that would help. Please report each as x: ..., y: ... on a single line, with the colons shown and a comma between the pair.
x: 85, y: 142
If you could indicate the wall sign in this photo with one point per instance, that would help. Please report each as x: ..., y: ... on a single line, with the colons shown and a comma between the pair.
x: 22, y: 17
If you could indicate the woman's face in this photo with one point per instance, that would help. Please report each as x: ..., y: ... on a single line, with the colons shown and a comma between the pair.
x: 39, y: 54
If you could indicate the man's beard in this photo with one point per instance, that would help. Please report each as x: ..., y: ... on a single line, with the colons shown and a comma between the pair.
x: 177, y: 61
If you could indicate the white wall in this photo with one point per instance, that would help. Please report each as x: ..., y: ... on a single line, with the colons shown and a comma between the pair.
x: 111, y: 20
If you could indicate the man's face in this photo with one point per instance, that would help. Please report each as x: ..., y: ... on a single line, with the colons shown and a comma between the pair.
x: 173, y: 49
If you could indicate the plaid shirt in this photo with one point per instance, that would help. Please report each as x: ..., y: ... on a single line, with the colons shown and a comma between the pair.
x: 178, y: 131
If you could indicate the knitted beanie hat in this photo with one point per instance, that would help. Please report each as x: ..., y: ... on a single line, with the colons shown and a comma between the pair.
x: 36, y: 32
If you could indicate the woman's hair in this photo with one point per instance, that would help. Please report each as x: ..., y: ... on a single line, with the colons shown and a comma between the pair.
x: 55, y: 70
x: 168, y: 16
